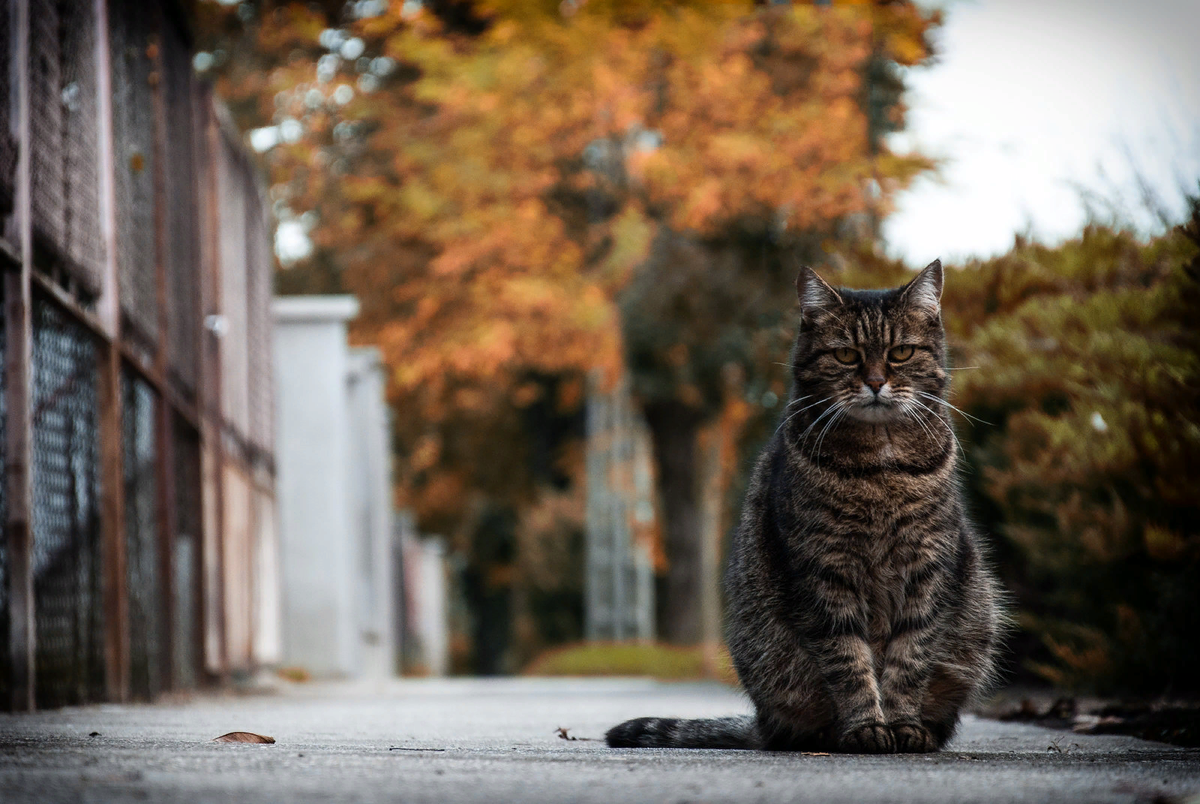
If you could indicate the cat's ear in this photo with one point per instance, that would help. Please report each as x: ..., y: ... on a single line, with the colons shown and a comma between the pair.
x: 925, y: 289
x: 814, y: 292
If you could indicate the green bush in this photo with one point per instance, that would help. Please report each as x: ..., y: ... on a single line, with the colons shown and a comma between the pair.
x: 1085, y: 359
x: 663, y: 662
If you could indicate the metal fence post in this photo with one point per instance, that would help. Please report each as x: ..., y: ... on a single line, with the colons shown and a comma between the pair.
x: 18, y: 388
x: 212, y: 426
x: 164, y: 435
x: 196, y: 99
x: 112, y: 489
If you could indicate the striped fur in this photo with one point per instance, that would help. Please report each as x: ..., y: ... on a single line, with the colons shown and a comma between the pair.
x: 862, y: 612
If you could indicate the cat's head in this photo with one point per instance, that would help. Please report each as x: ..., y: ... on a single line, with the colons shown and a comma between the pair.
x: 879, y: 355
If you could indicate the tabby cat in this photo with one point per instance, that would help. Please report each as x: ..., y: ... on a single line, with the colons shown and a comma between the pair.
x: 862, y: 612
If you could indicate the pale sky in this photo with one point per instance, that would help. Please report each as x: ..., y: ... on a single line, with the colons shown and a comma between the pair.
x: 1028, y: 101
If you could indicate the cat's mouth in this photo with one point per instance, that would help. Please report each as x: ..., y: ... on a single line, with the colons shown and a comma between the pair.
x: 874, y: 411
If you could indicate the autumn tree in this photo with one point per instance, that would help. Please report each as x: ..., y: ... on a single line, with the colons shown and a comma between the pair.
x: 522, y: 191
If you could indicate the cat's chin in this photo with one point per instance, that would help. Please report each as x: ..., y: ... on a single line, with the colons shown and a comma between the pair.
x: 878, y: 413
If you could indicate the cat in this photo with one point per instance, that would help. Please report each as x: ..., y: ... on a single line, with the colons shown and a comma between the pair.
x: 863, y: 615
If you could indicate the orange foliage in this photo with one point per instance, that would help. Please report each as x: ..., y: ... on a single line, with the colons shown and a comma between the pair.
x: 488, y: 196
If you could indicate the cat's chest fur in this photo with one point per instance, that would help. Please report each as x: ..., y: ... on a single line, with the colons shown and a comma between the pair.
x: 883, y: 593
x: 890, y: 537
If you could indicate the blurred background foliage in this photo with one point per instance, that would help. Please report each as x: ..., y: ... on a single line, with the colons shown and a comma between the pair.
x: 1090, y: 369
x: 521, y: 193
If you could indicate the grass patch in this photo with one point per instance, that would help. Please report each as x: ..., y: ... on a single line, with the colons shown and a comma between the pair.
x: 663, y: 662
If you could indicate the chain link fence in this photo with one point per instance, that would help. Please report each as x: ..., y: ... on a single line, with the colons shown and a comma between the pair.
x: 140, y: 449
x: 8, y: 144
x: 183, y: 245
x: 258, y: 329
x: 131, y: 37
x: 68, y: 605
x: 5, y: 676
x: 64, y: 127
x: 185, y: 556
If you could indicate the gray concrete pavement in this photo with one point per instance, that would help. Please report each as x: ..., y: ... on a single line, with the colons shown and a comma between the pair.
x: 495, y: 741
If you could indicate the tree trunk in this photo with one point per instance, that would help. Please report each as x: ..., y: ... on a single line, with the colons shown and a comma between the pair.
x: 488, y: 587
x: 674, y: 428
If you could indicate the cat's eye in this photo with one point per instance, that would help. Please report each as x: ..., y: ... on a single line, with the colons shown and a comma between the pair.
x: 899, y: 354
x: 846, y: 355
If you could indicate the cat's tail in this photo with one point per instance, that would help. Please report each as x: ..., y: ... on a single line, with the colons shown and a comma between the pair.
x: 665, y: 732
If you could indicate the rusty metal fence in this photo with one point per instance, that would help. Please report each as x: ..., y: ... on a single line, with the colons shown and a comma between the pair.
x: 136, y: 428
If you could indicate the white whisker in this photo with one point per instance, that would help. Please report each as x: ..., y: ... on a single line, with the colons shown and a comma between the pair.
x: 944, y: 423
x: 797, y: 413
x: 910, y: 412
x: 952, y: 407
x: 831, y: 409
x: 843, y: 407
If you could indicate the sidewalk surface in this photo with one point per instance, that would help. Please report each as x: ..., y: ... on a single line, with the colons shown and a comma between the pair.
x: 496, y: 741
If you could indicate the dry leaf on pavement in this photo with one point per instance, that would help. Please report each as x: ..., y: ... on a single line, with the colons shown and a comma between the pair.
x: 244, y: 737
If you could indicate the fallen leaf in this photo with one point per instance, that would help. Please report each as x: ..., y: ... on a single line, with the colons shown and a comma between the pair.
x: 244, y: 737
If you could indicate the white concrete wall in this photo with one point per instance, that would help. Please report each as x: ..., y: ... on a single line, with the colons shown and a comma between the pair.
x: 371, y: 490
x: 429, y: 595
x: 268, y: 639
x: 319, y: 548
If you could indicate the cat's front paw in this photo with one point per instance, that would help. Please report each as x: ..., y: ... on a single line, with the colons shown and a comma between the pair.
x: 872, y: 739
x: 912, y: 738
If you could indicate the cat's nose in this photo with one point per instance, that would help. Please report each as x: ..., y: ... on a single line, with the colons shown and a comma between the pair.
x: 875, y: 381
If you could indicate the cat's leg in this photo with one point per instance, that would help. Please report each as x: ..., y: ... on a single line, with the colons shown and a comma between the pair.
x: 909, y: 660
x: 848, y: 669
x: 834, y: 629
x: 835, y: 636
x: 904, y: 684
